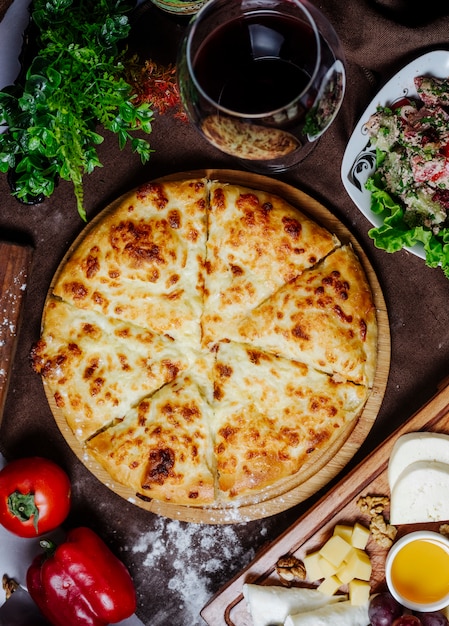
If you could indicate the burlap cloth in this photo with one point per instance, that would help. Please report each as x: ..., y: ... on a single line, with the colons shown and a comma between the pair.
x: 378, y: 39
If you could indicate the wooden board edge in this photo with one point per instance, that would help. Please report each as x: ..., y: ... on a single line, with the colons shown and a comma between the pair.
x: 14, y: 275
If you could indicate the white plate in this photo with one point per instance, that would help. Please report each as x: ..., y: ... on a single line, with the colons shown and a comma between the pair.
x: 359, y: 160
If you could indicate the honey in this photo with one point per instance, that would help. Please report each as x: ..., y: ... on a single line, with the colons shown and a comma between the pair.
x: 420, y: 571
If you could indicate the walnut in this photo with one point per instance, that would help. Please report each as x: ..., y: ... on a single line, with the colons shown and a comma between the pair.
x: 373, y: 505
x: 290, y: 568
x: 9, y: 585
x: 383, y: 533
x: 444, y: 530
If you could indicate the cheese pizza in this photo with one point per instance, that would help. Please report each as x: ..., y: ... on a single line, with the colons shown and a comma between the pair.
x: 206, y: 341
x: 143, y: 263
x: 256, y: 243
x: 162, y: 448
x: 97, y: 366
x: 270, y: 414
x: 316, y: 314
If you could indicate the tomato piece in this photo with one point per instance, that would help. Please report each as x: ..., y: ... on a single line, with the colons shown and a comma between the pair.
x: 401, y: 102
x: 35, y: 496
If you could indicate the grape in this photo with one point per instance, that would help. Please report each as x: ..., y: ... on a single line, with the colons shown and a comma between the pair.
x: 407, y: 620
x: 434, y: 618
x: 384, y: 609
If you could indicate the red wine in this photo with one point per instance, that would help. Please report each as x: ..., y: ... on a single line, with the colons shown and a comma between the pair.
x: 258, y: 63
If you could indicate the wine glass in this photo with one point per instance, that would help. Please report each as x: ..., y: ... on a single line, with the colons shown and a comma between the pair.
x: 261, y: 79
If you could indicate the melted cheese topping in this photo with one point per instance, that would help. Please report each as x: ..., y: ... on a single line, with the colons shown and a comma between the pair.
x: 325, y: 317
x: 198, y: 346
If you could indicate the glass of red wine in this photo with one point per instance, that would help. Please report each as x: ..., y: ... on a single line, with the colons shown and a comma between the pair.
x: 261, y: 79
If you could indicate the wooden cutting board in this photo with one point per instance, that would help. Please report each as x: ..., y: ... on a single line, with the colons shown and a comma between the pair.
x: 15, y: 261
x: 310, y: 532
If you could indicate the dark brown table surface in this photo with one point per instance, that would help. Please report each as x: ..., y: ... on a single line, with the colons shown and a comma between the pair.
x: 177, y: 566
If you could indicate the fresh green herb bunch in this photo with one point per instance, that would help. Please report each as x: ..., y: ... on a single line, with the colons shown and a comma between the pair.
x: 74, y: 83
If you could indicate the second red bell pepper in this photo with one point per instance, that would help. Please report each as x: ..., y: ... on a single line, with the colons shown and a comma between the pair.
x: 81, y: 583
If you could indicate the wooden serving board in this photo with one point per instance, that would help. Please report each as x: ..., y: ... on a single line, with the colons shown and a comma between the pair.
x: 317, y: 473
x: 310, y: 532
x: 15, y: 263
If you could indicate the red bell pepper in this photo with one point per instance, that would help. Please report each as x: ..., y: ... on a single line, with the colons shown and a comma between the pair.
x: 81, y: 582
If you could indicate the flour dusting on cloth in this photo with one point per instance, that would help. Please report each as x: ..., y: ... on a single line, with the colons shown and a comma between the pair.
x: 200, y: 559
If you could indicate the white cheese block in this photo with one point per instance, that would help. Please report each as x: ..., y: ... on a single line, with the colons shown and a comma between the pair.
x: 341, y: 614
x: 420, y: 494
x: 269, y: 605
x: 413, y: 447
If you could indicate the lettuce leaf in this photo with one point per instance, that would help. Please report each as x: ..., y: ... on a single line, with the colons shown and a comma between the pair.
x: 394, y: 233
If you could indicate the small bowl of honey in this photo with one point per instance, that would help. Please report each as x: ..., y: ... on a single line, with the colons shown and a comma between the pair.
x: 417, y: 571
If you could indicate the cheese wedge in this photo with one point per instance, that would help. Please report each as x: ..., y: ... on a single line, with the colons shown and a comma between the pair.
x: 341, y: 614
x: 413, y: 447
x: 420, y: 494
x: 269, y: 605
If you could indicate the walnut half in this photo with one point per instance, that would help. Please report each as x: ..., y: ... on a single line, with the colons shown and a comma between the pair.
x: 372, y: 505
x: 383, y: 533
x: 9, y: 585
x: 444, y: 530
x: 289, y: 568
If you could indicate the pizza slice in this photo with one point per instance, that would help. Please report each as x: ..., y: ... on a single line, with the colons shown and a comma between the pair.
x: 272, y: 415
x: 162, y: 448
x: 97, y: 367
x: 256, y: 243
x: 325, y: 317
x: 143, y: 262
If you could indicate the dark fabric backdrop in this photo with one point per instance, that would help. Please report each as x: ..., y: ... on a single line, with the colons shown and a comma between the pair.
x: 176, y: 567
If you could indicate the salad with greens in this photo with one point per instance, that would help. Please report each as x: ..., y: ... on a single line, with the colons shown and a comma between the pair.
x: 410, y: 186
x: 74, y: 85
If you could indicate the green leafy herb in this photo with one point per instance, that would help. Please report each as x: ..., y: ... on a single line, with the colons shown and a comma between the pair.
x: 75, y: 82
x: 396, y: 232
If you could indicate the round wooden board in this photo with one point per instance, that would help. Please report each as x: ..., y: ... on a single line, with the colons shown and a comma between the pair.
x: 323, y: 468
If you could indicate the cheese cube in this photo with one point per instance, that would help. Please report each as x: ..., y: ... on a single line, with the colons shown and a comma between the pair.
x: 358, y: 566
x: 344, y: 531
x: 336, y: 550
x: 312, y: 564
x: 360, y: 536
x: 327, y: 568
x: 329, y: 585
x: 359, y: 592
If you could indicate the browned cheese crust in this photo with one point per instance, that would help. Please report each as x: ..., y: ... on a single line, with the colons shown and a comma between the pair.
x: 326, y: 315
x: 204, y: 341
